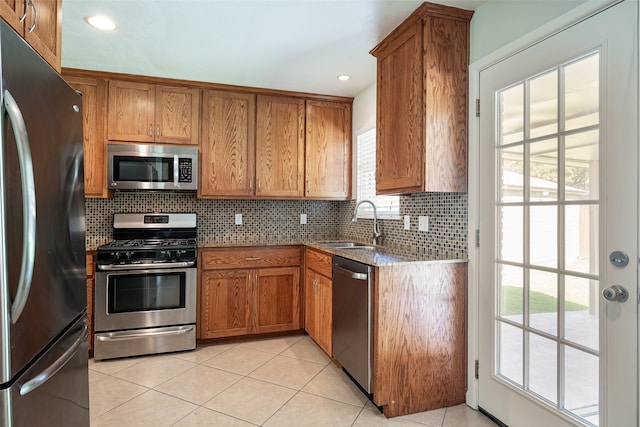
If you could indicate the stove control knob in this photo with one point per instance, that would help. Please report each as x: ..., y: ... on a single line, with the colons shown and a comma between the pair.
x: 128, y: 254
x: 168, y: 254
x: 116, y: 255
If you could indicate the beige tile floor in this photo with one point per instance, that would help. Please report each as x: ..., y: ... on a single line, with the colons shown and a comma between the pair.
x: 284, y: 381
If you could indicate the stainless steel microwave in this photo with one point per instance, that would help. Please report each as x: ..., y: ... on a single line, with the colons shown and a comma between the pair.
x: 152, y: 167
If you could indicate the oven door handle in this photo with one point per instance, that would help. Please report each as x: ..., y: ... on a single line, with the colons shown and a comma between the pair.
x: 119, y: 336
x: 120, y: 267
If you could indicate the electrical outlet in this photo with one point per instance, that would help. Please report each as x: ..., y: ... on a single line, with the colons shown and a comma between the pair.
x: 239, y: 219
x: 423, y: 223
x: 303, y: 219
x: 407, y: 222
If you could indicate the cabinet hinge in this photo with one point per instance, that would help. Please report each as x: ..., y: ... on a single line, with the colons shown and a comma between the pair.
x: 477, y: 369
x: 477, y: 238
x: 477, y: 107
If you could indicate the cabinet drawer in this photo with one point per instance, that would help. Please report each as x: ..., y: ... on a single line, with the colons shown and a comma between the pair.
x: 319, y: 261
x: 250, y: 257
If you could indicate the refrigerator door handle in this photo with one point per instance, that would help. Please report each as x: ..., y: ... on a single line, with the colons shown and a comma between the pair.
x: 52, y: 369
x: 28, y: 206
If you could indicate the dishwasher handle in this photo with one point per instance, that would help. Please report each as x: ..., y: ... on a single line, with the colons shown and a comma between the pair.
x: 352, y: 274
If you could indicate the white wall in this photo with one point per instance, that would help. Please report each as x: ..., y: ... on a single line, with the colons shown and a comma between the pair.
x: 364, y: 110
x: 363, y: 119
x: 498, y: 22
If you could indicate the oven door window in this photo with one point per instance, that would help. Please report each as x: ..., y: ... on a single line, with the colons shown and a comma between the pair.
x: 144, y: 292
x: 143, y: 169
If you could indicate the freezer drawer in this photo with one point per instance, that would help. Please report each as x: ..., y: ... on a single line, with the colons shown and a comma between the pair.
x: 54, y: 390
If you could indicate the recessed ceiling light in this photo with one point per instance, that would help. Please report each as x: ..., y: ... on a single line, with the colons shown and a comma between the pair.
x: 101, y: 22
x: 344, y: 77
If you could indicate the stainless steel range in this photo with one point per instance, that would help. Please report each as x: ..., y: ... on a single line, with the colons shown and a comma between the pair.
x: 145, y: 297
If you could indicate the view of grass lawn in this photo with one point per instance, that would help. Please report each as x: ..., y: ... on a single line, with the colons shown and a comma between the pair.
x: 511, y: 302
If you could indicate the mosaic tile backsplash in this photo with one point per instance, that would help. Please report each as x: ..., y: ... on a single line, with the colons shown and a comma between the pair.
x: 278, y: 221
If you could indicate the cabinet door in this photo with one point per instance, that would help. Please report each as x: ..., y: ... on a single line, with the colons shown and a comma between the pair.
x: 279, y: 146
x: 328, y: 150
x: 277, y: 300
x: 324, y: 313
x: 225, y: 303
x: 227, y: 144
x: 311, y: 304
x: 130, y: 111
x: 11, y: 11
x: 43, y: 30
x: 93, y: 106
x: 177, y: 115
x: 400, y: 123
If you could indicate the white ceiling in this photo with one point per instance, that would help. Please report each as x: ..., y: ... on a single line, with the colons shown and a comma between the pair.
x: 299, y: 45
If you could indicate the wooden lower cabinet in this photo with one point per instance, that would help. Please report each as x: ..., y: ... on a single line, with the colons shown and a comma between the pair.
x: 91, y: 281
x: 249, y: 291
x: 318, y: 299
x: 419, y: 350
x: 225, y: 307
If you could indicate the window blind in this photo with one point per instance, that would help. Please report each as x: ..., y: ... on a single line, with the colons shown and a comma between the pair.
x: 387, y: 206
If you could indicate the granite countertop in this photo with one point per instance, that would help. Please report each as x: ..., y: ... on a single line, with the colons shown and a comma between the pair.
x: 381, y: 256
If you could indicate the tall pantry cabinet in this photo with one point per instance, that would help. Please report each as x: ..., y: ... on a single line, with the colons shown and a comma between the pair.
x: 422, y: 103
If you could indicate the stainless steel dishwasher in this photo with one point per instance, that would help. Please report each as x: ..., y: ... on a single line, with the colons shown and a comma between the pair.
x: 352, y: 319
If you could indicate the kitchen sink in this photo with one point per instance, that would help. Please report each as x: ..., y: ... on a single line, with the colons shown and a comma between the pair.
x: 347, y: 245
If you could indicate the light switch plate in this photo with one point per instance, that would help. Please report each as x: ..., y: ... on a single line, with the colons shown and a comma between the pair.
x: 423, y: 223
x: 239, y: 219
x: 407, y: 222
x: 303, y: 219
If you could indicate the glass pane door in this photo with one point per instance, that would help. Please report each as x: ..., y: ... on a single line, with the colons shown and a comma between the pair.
x: 547, y: 204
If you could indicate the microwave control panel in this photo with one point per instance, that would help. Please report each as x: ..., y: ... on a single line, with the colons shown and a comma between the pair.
x: 185, y: 170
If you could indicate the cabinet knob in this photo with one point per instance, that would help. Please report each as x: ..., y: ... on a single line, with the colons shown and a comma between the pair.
x: 150, y: 130
x: 158, y: 133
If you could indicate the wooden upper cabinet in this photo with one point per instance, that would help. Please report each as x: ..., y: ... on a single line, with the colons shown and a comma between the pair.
x: 227, y: 144
x: 177, y: 115
x: 422, y: 103
x: 93, y: 92
x: 280, y: 146
x: 11, y: 11
x: 328, y: 150
x: 43, y: 30
x: 146, y: 112
x: 41, y: 27
x: 131, y: 113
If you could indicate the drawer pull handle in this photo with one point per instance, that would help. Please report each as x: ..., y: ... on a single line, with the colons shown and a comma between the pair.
x: 249, y: 258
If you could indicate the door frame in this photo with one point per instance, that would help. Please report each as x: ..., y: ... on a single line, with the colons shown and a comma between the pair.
x: 578, y: 14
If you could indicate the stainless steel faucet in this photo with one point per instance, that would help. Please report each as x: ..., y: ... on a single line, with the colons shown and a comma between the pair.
x: 376, y: 230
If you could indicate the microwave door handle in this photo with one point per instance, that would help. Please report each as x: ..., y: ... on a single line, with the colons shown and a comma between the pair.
x: 28, y: 206
x: 176, y: 170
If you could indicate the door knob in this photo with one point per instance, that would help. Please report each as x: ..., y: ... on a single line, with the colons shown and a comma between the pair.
x: 615, y: 293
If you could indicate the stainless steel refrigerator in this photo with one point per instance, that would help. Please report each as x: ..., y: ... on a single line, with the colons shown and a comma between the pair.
x: 43, y: 336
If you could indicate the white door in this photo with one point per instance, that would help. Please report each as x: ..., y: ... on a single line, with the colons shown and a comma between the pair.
x: 558, y: 197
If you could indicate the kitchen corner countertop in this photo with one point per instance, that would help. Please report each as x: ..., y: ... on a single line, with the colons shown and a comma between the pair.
x: 381, y: 256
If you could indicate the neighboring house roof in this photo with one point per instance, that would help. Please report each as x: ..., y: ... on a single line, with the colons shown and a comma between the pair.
x: 515, y: 180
